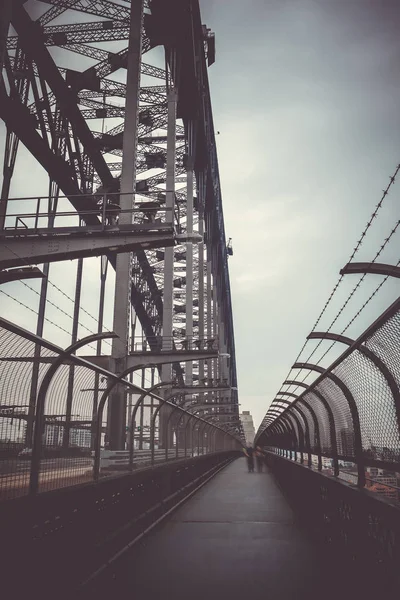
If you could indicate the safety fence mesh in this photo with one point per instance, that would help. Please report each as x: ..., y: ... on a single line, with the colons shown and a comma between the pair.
x: 70, y: 421
x: 356, y: 402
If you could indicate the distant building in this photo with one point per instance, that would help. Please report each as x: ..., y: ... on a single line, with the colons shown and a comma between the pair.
x: 80, y: 437
x: 346, y: 442
x: 12, y: 430
x: 53, y: 435
x: 248, y: 427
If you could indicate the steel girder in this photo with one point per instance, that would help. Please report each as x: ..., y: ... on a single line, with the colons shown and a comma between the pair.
x: 60, y: 170
x: 32, y: 44
x: 99, y: 8
x: 80, y: 33
x: 18, y: 120
x: 69, y: 243
x: 147, y: 267
x: 23, y: 273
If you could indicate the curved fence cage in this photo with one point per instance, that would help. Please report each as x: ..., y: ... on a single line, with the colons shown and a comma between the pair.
x: 347, y: 422
x: 73, y: 448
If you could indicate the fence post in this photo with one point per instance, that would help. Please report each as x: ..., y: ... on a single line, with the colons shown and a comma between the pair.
x: 41, y: 402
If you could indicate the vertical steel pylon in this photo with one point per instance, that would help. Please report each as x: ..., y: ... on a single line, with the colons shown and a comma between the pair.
x: 121, y: 321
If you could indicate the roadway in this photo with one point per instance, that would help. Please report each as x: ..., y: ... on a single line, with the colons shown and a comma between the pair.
x: 47, y: 464
x: 57, y: 473
x: 54, y: 473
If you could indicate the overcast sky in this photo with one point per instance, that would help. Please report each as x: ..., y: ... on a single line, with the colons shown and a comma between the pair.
x: 306, y: 99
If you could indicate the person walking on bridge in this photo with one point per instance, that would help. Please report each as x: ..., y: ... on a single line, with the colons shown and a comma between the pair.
x: 259, y: 459
x: 249, y: 452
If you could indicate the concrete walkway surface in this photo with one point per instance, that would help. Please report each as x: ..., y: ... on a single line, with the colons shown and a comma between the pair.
x: 236, y: 538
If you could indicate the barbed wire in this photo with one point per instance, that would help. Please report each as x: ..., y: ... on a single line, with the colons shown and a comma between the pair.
x: 35, y: 312
x: 55, y: 306
x: 372, y: 295
x: 373, y: 216
x: 357, y: 314
x: 392, y: 180
x: 73, y: 301
x: 26, y: 263
x: 307, y: 360
x: 356, y: 287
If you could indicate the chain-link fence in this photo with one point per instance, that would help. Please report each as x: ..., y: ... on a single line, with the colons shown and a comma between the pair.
x: 53, y: 419
x: 347, y: 422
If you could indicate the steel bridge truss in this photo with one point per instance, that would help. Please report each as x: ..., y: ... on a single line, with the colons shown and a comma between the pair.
x: 70, y: 93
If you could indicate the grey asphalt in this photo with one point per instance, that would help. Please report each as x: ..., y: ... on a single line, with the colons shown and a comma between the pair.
x: 236, y: 537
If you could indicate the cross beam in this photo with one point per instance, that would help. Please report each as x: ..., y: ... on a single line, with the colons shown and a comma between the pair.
x: 23, y: 273
x: 66, y: 244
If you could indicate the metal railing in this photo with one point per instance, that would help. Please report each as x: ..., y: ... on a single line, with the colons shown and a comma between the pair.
x: 34, y: 214
x: 52, y: 431
x: 348, y: 419
x: 74, y: 536
x: 169, y: 343
x: 356, y: 529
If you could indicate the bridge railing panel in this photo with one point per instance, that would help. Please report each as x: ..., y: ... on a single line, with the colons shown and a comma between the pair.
x: 355, y: 411
x: 323, y: 422
x: 344, y: 426
x: 375, y: 406
x: 66, y: 453
x: 384, y: 343
x: 358, y: 529
x: 69, y: 537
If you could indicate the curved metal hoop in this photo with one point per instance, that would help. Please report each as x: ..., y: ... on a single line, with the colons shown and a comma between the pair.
x: 367, y: 352
x: 358, y: 453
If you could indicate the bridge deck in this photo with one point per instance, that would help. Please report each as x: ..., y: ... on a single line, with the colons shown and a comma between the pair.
x: 236, y: 536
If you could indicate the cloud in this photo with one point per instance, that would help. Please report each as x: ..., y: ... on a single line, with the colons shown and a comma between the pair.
x: 306, y: 103
x: 305, y: 96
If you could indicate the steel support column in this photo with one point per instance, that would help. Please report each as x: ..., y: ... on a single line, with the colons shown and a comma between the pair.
x: 100, y: 319
x: 74, y: 337
x: 12, y: 141
x: 5, y: 19
x: 215, y: 331
x: 201, y: 288
x: 117, y: 406
x: 41, y: 404
x: 168, y: 292
x: 189, y: 261
x: 52, y: 205
x: 209, y: 307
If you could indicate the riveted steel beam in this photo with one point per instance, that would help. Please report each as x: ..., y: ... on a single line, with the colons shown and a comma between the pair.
x: 37, y: 249
x: 18, y: 274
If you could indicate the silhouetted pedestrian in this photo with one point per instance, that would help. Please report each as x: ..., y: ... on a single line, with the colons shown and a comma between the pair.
x: 259, y: 459
x: 249, y: 452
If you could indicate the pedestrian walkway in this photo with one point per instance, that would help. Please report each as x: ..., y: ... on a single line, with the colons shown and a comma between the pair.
x: 235, y: 538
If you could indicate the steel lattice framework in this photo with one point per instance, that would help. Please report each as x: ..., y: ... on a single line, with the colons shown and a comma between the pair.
x: 112, y: 129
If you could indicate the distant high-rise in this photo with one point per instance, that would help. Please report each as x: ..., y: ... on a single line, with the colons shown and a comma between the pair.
x: 346, y: 442
x: 77, y: 437
x: 53, y: 435
x: 248, y: 426
x: 80, y: 437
